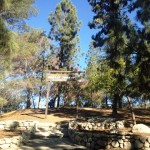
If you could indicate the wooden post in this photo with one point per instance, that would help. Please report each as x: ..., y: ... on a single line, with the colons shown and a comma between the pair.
x: 47, y: 97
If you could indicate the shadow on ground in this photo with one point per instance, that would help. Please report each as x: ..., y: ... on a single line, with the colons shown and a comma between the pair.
x: 51, y: 144
x: 142, y: 115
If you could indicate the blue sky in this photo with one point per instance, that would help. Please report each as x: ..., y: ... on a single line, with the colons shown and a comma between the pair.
x: 84, y: 15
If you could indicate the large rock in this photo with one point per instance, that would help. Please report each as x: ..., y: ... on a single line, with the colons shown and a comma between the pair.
x: 141, y: 128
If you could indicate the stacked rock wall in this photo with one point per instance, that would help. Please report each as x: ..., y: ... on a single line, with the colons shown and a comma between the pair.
x: 13, y: 142
x: 97, y: 124
x: 28, y: 129
x: 84, y: 134
x: 18, y: 125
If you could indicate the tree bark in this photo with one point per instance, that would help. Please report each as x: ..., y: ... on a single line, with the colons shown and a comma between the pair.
x: 114, y: 106
x: 59, y: 92
x: 33, y: 101
x: 58, y: 101
x: 106, y: 101
x: 131, y: 109
x: 120, y: 102
x: 40, y: 95
x: 92, y: 99
x: 42, y: 79
x: 28, y: 99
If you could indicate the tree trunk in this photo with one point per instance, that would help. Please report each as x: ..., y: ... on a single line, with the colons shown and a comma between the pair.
x: 106, y: 101
x: 120, y: 102
x: 131, y: 109
x: 28, y: 99
x: 40, y: 95
x: 58, y: 102
x: 145, y: 104
x: 42, y: 78
x: 92, y: 99
x: 59, y: 92
x: 33, y: 101
x: 114, y: 106
x: 55, y: 100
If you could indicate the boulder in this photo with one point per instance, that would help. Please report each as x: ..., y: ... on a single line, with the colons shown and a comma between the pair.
x: 141, y: 128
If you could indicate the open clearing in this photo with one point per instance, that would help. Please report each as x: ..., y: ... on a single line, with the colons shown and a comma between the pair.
x: 68, y: 113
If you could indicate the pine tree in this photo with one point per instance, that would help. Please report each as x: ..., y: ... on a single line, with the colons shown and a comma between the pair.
x: 139, y: 51
x: 12, y: 16
x: 110, y: 19
x: 143, y: 49
x: 64, y: 29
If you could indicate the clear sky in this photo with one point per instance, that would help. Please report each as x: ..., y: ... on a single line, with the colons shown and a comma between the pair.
x: 84, y: 15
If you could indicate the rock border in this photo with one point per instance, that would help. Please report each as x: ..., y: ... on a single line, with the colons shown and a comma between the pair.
x: 27, y: 128
x: 106, y: 140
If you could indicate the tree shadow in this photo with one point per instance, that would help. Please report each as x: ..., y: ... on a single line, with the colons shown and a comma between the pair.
x: 71, y: 112
x: 51, y: 144
x: 33, y: 115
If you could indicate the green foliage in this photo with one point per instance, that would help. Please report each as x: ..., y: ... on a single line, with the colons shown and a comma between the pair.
x: 111, y: 20
x: 139, y: 47
x: 12, y: 15
x: 14, y: 11
x: 64, y: 28
x: 126, y: 46
x: 3, y: 101
x: 7, y: 40
x: 11, y: 95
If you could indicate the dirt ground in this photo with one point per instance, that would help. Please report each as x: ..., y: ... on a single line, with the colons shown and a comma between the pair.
x: 9, y: 134
x: 66, y: 114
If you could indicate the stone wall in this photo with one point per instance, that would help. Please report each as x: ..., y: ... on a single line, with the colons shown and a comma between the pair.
x: 13, y: 142
x: 90, y: 124
x: 104, y: 139
x: 18, y: 125
x: 27, y: 127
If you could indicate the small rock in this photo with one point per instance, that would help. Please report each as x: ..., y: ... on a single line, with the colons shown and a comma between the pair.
x: 146, y: 145
x: 1, y: 127
x: 2, y: 141
x: 148, y: 139
x: 88, y: 144
x: 77, y: 138
x: 119, y: 124
x: 121, y: 145
x: 127, y: 145
x: 113, y: 131
x: 8, y: 141
x: 5, y: 146
x: 120, y: 141
x: 142, y: 139
x: 115, y: 144
x: 138, y: 144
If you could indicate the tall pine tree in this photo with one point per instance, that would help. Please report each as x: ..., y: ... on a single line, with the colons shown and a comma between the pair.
x: 64, y: 31
x: 110, y: 20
